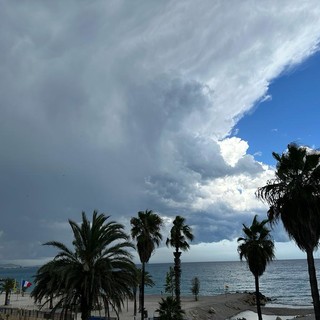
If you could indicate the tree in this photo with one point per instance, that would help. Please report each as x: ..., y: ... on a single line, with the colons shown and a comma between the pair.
x: 47, y: 283
x: 170, y: 309
x: 147, y: 282
x: 98, y: 270
x: 257, y: 248
x: 146, y: 231
x: 195, y: 287
x: 294, y: 198
x: 7, y: 286
x: 179, y: 234
x: 170, y: 284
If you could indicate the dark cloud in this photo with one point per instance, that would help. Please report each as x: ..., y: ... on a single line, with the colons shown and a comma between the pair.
x: 121, y: 106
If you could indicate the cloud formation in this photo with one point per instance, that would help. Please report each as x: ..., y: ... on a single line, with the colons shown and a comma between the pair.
x: 123, y: 106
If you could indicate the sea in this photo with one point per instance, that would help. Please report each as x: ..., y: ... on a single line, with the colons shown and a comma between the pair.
x: 286, y: 282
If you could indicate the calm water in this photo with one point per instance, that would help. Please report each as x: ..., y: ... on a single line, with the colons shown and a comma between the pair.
x: 19, y: 274
x: 285, y: 281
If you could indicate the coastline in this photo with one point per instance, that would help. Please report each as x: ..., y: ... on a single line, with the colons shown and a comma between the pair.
x: 219, y: 307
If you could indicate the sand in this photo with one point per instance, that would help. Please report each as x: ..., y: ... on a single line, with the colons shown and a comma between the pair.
x: 218, y: 307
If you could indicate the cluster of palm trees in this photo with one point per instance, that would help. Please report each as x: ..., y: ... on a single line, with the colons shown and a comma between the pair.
x: 293, y: 197
x: 85, y: 278
x: 146, y: 230
x: 98, y: 272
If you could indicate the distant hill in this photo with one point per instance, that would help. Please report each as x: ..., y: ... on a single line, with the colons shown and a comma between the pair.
x: 9, y: 266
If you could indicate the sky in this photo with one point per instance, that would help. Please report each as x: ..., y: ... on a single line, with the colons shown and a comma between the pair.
x: 174, y: 106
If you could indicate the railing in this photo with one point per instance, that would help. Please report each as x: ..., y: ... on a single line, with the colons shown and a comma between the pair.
x: 102, y: 318
x: 23, y: 314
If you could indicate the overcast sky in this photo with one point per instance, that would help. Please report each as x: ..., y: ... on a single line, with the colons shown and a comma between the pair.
x: 123, y: 106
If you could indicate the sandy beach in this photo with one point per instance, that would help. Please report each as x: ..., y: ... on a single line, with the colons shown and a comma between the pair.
x: 218, y: 307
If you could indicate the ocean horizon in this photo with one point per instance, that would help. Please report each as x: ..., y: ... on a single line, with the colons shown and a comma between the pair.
x: 286, y: 282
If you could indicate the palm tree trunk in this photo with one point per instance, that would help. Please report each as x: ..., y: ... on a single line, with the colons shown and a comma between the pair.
x: 135, y: 301
x: 142, y: 291
x: 85, y: 310
x: 313, y: 284
x: 140, y: 297
x: 85, y: 315
x: 256, y: 279
x: 177, y: 273
x: 106, y: 307
x: 51, y: 301
x: 6, y: 300
x: 108, y: 310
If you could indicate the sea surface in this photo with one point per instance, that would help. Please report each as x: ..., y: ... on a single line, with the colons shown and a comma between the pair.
x: 286, y: 282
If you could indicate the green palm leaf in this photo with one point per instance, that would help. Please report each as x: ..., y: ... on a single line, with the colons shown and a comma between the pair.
x: 99, y: 268
x: 293, y: 197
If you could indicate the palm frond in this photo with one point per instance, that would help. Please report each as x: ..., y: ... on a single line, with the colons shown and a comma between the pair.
x: 99, y: 268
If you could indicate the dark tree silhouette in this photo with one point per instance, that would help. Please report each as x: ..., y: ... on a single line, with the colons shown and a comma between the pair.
x: 7, y: 286
x: 147, y: 282
x: 294, y: 198
x: 98, y: 270
x: 146, y: 231
x: 170, y: 309
x: 179, y: 234
x: 169, y: 285
x: 257, y: 248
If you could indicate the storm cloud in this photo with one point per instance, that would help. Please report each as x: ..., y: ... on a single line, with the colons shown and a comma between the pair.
x: 122, y: 106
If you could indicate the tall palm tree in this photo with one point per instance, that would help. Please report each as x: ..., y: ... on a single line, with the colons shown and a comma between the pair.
x: 98, y: 270
x: 147, y: 282
x: 294, y: 197
x: 179, y: 234
x: 146, y: 231
x: 7, y: 286
x: 257, y: 248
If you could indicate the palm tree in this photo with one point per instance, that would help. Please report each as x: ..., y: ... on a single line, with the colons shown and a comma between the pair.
x: 170, y: 309
x: 257, y: 248
x: 7, y: 286
x: 170, y: 283
x: 47, y: 283
x: 179, y: 234
x: 147, y: 281
x: 294, y: 197
x: 98, y: 270
x: 146, y: 231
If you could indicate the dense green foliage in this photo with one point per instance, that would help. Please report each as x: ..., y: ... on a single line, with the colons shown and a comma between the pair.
x: 6, y: 286
x: 294, y: 198
x: 170, y: 283
x: 97, y: 271
x: 170, y: 309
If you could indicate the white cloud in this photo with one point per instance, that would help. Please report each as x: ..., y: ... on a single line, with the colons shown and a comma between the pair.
x: 233, y: 149
x: 238, y: 192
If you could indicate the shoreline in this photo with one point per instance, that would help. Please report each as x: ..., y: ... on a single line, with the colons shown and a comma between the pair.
x: 219, y: 307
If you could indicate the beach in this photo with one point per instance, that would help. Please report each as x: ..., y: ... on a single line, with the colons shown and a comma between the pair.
x: 219, y: 307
